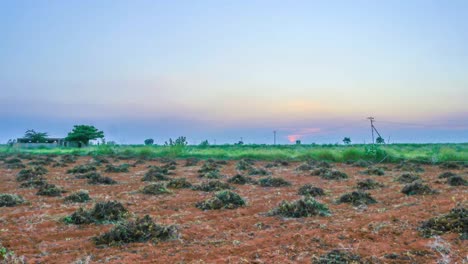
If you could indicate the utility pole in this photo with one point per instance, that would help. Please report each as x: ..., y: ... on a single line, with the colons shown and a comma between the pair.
x: 372, y: 127
x: 274, y: 137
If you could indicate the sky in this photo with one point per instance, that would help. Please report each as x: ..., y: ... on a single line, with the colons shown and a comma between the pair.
x: 225, y: 70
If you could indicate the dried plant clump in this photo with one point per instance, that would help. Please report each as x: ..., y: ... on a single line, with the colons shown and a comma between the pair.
x: 304, y: 207
x: 457, y: 180
x: 305, y: 167
x: 179, y: 183
x: 277, y: 163
x: 273, y: 182
x: 222, y: 200
x: 357, y: 198
x: 156, y: 174
x: 212, y: 186
x: 338, y: 257
x: 241, y: 179
x: 450, y: 166
x: 191, y: 162
x: 362, y: 163
x: 89, y: 175
x: 328, y: 174
x: 258, y: 171
x: 117, y: 168
x: 208, y: 166
x: 410, y: 167
x: 14, y: 163
x: 374, y: 171
x: 244, y: 164
x: 82, y: 169
x: 446, y: 175
x: 81, y: 196
x: 141, y: 230
x: 50, y: 190
x: 98, y: 179
x: 456, y: 221
x: 417, y: 188
x: 211, y: 175
x: 31, y: 173
x: 68, y: 159
x: 99, y: 160
x: 368, y: 184
x: 102, y: 212
x: 155, y: 189
x: 34, y: 183
x: 408, y: 178
x: 310, y: 190
x: 10, y: 200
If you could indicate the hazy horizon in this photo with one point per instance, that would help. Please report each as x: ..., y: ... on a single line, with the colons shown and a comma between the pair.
x: 211, y: 70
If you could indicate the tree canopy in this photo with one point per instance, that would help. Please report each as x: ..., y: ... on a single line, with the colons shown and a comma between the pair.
x: 35, y: 137
x: 347, y: 140
x: 84, y: 133
x: 380, y: 140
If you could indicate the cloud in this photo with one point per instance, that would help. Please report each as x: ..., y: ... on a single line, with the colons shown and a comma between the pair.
x: 301, y: 133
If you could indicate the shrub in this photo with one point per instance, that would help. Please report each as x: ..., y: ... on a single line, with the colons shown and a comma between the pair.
x: 258, y: 171
x: 9, y: 200
x: 34, y: 183
x: 155, y: 174
x: 417, y: 187
x: 88, y: 175
x: 329, y: 174
x: 273, y: 182
x: 149, y: 141
x: 155, y: 189
x: 241, y: 179
x: 140, y: 230
x: 338, y: 257
x: 50, y: 190
x: 117, y: 168
x: 179, y: 183
x: 98, y: 179
x: 82, y: 169
x: 244, y: 164
x: 80, y: 196
x: 304, y: 207
x: 368, y: 184
x: 310, y: 190
x: 447, y: 174
x: 456, y: 221
x: 212, y: 186
x: 457, y: 180
x: 357, y: 198
x: 211, y: 175
x: 222, y: 200
x: 408, y: 178
x: 374, y: 171
x: 102, y: 212
x: 31, y: 173
x: 208, y: 166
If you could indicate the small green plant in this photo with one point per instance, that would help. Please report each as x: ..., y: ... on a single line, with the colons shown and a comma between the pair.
x: 304, y: 207
x: 357, y: 198
x: 222, y: 200
x: 31, y: 173
x: 191, y: 162
x: 9, y: 200
x: 273, y: 182
x: 155, y: 189
x: 140, y: 230
x: 310, y: 190
x: 80, y: 196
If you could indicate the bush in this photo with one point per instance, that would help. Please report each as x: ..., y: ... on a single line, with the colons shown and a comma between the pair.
x: 417, y: 187
x: 155, y: 189
x: 222, y: 200
x: 80, y: 196
x: 149, y: 141
x: 457, y: 180
x: 273, y: 182
x: 368, y: 184
x: 9, y: 200
x: 102, y: 212
x: 179, y: 183
x: 82, y: 169
x: 311, y: 190
x: 338, y: 257
x: 304, y: 207
x: 140, y: 230
x: 50, y: 190
x: 408, y: 178
x: 374, y: 171
x: 456, y: 221
x: 357, y: 198
x: 98, y: 179
x: 241, y: 179
x: 117, y: 168
x: 212, y: 186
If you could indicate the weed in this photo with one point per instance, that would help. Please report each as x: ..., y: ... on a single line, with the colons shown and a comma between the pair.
x: 140, y: 230
x: 456, y: 221
x: 374, y: 171
x: 338, y: 257
x: 33, y: 183
x: 410, y: 167
x: 82, y: 169
x: 311, y: 190
x: 88, y: 175
x: 222, y: 200
x: 357, y: 198
x: 102, y: 212
x: 447, y: 174
x: 362, y: 163
x: 155, y: 174
x: 408, y: 178
x: 368, y: 184
x: 211, y: 175
x: 329, y: 174
x: 117, y: 168
x: 212, y: 186
x: 258, y: 171
x: 80, y: 196
x: 179, y: 183
x: 241, y: 179
x: 155, y: 189
x: 273, y: 182
x: 244, y: 164
x: 304, y: 207
x: 457, y: 180
x: 417, y: 188
x: 31, y: 174
x: 191, y: 162
x: 50, y: 190
x: 98, y: 179
x: 450, y: 166
x: 9, y: 200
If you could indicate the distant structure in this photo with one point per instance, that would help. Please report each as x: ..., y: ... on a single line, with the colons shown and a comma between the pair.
x: 48, y: 143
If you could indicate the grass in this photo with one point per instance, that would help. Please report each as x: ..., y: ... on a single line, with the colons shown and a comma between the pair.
x: 435, y: 153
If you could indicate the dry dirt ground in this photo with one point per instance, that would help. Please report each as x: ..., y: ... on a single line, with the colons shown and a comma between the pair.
x: 243, y: 235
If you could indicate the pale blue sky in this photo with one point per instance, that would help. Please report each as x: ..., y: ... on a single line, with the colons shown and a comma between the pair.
x: 226, y: 69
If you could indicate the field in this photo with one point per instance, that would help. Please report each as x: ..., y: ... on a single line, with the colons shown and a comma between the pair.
x: 340, y: 216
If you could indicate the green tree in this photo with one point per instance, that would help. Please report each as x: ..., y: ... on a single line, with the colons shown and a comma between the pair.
x: 379, y: 140
x: 204, y: 143
x: 347, y: 140
x: 35, y: 137
x: 149, y: 141
x: 82, y: 134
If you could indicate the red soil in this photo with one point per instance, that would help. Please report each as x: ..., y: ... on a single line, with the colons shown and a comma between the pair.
x: 244, y: 235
